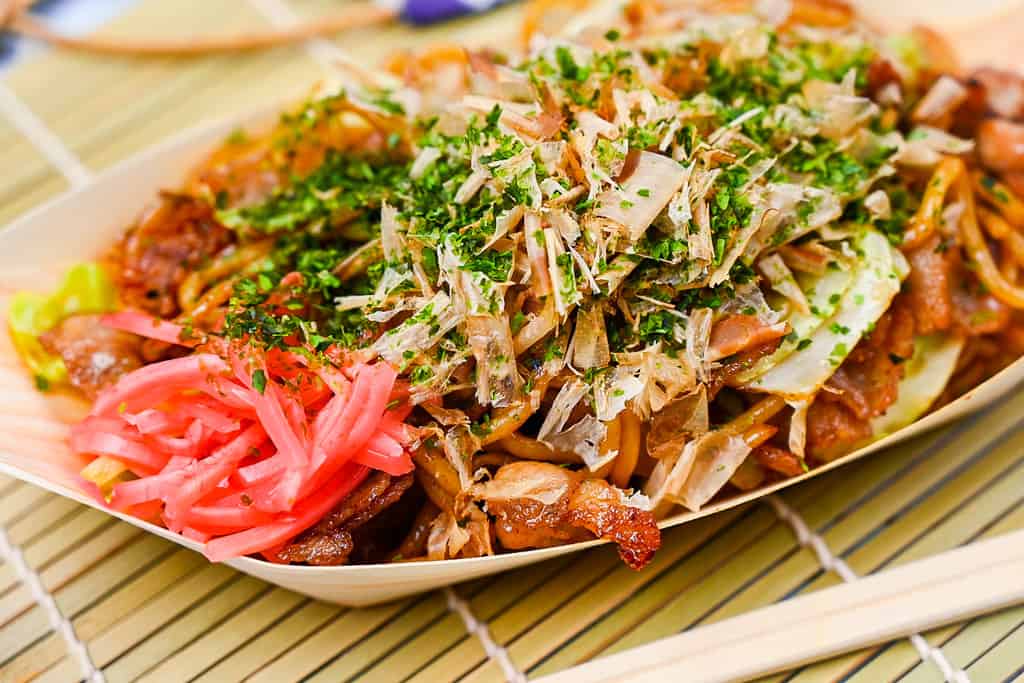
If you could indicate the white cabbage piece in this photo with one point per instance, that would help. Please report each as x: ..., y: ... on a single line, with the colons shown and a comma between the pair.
x: 823, y: 296
x: 876, y: 281
x: 926, y: 375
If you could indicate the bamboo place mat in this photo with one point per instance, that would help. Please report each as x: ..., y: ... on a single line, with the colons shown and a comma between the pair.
x: 146, y: 609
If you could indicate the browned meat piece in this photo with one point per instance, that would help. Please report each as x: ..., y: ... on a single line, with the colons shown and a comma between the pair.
x: 1004, y: 91
x: 326, y: 549
x: 881, y: 73
x: 531, y: 503
x: 894, y: 333
x: 415, y: 542
x: 723, y: 375
x: 94, y: 355
x: 778, y: 460
x: 736, y: 333
x: 378, y: 539
x: 929, y: 286
x: 378, y: 492
x: 940, y: 294
x: 867, y: 382
x: 528, y: 523
x: 976, y: 313
x: 973, y: 110
x: 1001, y: 145
x: 832, y: 426
x: 596, y: 506
x: 157, y: 255
x: 865, y: 385
x: 539, y: 505
x: 330, y: 541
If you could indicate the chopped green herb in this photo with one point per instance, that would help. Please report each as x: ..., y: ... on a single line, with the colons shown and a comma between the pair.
x: 259, y: 381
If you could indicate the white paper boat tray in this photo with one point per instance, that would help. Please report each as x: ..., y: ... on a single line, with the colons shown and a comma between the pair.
x: 33, y: 427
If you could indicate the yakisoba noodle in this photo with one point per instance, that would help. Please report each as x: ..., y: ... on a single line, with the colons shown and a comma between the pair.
x: 491, y: 302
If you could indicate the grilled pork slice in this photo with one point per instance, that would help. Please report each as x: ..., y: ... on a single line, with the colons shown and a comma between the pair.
x: 95, y: 355
x: 539, y: 505
x: 330, y: 542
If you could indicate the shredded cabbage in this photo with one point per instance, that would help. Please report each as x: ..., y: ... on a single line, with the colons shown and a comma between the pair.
x: 927, y: 373
x: 876, y: 280
x: 823, y: 294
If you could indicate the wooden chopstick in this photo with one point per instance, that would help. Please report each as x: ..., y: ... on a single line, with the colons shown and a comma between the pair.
x: 918, y: 596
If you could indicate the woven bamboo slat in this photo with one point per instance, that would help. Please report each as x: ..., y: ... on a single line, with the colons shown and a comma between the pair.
x: 378, y: 645
x: 328, y: 643
x: 187, y: 633
x: 245, y: 621
x: 39, y: 649
x: 18, y: 501
x: 277, y: 638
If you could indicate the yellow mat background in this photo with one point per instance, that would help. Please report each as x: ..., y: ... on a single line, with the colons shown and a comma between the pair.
x: 150, y: 610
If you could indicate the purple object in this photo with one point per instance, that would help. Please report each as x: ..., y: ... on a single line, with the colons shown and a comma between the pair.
x: 430, y: 11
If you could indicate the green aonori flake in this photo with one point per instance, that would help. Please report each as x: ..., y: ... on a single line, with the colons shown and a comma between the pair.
x: 259, y: 381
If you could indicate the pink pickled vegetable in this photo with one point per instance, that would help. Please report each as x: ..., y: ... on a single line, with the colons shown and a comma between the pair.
x: 395, y: 466
x: 305, y: 515
x: 147, y: 326
x: 153, y: 384
x: 243, y: 453
x: 132, y: 453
